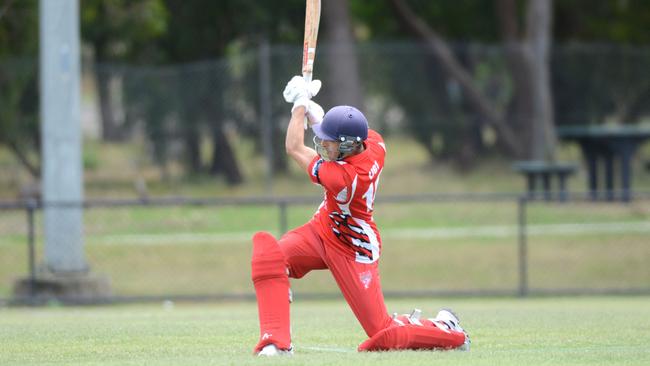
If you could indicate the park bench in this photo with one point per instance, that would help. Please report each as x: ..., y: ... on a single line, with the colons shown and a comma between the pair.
x: 545, y: 172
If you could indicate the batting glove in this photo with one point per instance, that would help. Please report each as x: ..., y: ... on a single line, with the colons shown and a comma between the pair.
x: 299, y: 92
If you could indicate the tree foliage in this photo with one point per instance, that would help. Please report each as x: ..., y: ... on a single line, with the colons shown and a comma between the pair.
x: 474, y: 21
x: 19, y: 129
x: 163, y: 32
x: 124, y: 30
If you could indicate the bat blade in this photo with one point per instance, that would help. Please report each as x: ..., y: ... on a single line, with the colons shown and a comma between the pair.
x: 312, y: 20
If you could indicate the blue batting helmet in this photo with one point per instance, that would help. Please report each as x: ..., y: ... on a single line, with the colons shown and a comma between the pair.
x: 342, y: 123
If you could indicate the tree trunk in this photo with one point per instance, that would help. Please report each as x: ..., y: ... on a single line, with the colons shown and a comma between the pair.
x: 272, y: 133
x: 223, y: 157
x: 538, y: 19
x: 192, y: 141
x: 343, y: 84
x: 452, y: 67
x: 110, y: 131
x: 224, y: 160
x: 519, y: 109
x: 280, y: 161
x: 33, y: 169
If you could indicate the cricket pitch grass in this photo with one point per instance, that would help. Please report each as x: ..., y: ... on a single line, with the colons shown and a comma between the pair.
x: 504, y: 331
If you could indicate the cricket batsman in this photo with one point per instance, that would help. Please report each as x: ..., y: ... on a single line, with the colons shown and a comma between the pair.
x: 346, y: 161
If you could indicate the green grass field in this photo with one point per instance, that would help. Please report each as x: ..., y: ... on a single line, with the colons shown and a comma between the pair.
x: 111, y: 170
x: 504, y: 331
x: 442, y: 246
x: 164, y: 251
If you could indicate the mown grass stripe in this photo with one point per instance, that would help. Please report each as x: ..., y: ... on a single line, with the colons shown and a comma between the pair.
x: 495, y: 231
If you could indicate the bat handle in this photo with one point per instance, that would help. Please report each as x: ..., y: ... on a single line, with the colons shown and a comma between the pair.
x: 307, y: 77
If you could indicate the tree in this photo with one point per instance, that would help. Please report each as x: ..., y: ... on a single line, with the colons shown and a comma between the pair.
x: 528, y: 59
x: 120, y: 31
x: 19, y: 129
x: 607, y: 81
x: 203, y: 31
x: 341, y: 57
x: 218, y: 29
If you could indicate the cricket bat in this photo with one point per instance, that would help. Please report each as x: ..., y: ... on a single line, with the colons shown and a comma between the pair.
x: 312, y: 19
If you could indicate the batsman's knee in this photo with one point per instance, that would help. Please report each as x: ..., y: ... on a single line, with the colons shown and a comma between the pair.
x: 268, y: 260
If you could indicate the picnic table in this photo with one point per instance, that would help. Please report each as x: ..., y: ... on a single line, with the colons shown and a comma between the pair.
x: 611, y: 146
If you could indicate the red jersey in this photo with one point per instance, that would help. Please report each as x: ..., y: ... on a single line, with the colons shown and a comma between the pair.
x: 345, y: 215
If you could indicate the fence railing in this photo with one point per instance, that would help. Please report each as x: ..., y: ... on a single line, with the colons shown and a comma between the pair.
x: 473, y: 230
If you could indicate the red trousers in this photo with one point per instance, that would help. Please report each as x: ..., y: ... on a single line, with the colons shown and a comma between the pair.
x: 304, y: 250
x: 296, y: 253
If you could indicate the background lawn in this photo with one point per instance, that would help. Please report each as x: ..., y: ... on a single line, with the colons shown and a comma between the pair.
x: 504, y: 331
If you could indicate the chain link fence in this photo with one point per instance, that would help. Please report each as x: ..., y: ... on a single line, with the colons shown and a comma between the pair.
x: 178, y: 109
x: 192, y: 119
x: 487, y: 244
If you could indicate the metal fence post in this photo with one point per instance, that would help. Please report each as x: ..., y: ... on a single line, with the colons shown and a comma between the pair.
x: 283, y: 217
x: 31, y: 244
x: 266, y: 109
x: 523, y: 249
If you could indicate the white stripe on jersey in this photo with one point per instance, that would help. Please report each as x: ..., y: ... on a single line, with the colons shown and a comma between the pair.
x: 374, y: 243
x: 345, y: 206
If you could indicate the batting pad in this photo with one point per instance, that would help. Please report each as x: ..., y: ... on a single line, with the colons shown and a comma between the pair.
x: 414, y: 337
x: 269, y: 275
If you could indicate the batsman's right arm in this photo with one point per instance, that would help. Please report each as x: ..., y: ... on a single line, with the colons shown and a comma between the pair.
x: 295, y: 140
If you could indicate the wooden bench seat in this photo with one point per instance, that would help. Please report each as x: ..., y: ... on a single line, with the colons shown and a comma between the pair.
x: 545, y: 172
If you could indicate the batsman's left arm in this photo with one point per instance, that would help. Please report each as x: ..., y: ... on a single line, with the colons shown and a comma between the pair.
x: 295, y: 140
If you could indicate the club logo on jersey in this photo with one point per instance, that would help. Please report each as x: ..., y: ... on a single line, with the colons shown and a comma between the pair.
x: 365, y: 278
x: 351, y: 234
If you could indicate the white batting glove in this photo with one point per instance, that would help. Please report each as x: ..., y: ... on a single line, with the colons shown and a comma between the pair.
x: 315, y: 113
x: 299, y: 92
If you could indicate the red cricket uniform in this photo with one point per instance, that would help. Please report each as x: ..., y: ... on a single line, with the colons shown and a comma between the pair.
x: 345, y: 216
x: 343, y: 238
x: 342, y: 235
